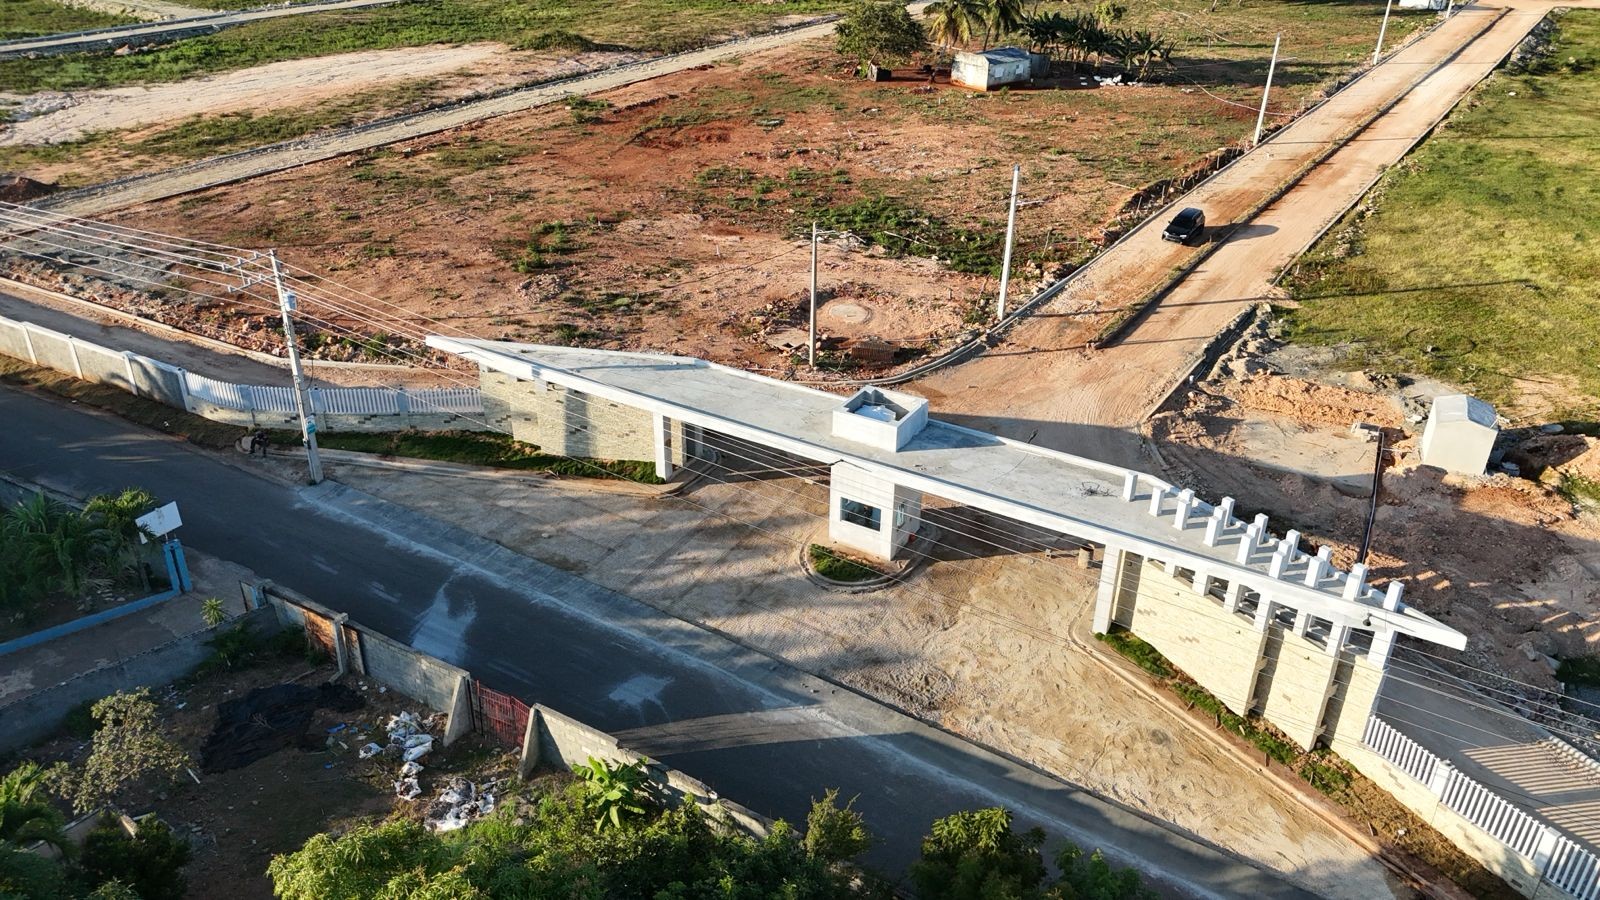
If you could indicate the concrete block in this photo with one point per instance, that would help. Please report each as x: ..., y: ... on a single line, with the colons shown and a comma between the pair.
x: 1460, y: 434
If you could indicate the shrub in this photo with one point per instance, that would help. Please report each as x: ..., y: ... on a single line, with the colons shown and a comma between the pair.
x: 150, y: 863
x: 831, y: 564
x: 835, y: 834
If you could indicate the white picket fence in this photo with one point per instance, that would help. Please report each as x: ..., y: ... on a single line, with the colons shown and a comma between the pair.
x: 1559, y: 860
x: 255, y: 398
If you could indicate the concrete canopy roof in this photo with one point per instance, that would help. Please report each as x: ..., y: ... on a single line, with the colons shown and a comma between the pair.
x: 1047, y: 488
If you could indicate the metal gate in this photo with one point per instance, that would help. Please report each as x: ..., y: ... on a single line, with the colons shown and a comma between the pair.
x: 501, y: 716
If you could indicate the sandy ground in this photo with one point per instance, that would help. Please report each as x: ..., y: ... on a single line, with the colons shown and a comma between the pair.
x: 51, y: 117
x: 148, y: 10
x: 930, y: 645
x: 1089, y: 402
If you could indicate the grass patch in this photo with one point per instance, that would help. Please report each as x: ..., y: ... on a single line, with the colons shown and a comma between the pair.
x: 830, y: 563
x: 904, y: 230
x: 1476, y: 262
x: 1140, y: 653
x: 1579, y: 491
x: 480, y: 449
x: 649, y: 25
x: 30, y: 18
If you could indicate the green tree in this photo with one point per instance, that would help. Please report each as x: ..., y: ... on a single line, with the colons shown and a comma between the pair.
x: 130, y: 745
x: 953, y: 22
x: 151, y: 862
x: 975, y: 855
x: 880, y: 31
x: 1000, y: 18
x: 1090, y: 877
x: 834, y: 833
x: 115, y: 519
x: 29, y: 876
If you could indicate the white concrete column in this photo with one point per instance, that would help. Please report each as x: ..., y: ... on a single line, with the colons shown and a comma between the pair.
x: 1214, y: 526
x: 1158, y: 497
x: 1280, y: 560
x: 1263, y: 614
x: 658, y: 425
x: 1302, y: 621
x: 1336, y: 637
x: 1292, y: 541
x: 1392, y: 596
x: 1130, y: 486
x: 1318, y: 567
x: 1233, y: 597
x: 1382, y: 644
x: 1225, y: 510
x: 1105, y: 600
x: 1356, y: 582
x: 1248, y: 543
x: 1180, y: 518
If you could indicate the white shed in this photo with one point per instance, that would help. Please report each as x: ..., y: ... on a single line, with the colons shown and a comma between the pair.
x: 989, y: 69
x: 1459, y: 434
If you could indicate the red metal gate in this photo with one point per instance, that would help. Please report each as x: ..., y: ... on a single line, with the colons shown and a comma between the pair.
x: 501, y: 716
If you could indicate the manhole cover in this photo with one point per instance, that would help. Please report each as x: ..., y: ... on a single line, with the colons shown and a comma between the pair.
x: 847, y: 312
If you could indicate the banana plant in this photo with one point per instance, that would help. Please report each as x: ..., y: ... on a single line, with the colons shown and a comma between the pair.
x: 617, y: 791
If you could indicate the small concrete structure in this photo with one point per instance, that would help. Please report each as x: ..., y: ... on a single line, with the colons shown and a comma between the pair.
x: 990, y: 69
x: 1423, y: 4
x: 1459, y: 435
x: 1258, y: 621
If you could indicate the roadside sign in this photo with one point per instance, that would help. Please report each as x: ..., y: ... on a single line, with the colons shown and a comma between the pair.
x: 159, y: 521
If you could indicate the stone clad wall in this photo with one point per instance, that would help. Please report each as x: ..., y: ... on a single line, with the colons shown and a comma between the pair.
x: 571, y: 423
x: 1219, y: 650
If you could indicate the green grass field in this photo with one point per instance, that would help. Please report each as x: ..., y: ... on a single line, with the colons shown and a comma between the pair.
x: 651, y: 25
x: 28, y: 18
x: 1477, y: 262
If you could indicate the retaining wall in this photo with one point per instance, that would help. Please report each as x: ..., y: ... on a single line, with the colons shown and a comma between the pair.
x: 571, y: 423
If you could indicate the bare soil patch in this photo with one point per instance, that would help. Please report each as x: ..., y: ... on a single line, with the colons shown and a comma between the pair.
x: 670, y: 215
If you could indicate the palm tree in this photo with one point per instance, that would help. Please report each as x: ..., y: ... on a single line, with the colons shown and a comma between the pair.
x: 1000, y: 17
x: 24, y: 814
x: 951, y: 22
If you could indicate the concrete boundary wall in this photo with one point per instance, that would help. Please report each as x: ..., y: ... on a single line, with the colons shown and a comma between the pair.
x: 250, y: 406
x: 1533, y: 857
x: 551, y: 738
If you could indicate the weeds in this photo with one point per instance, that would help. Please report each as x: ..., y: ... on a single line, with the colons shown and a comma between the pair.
x: 482, y: 449
x: 831, y: 564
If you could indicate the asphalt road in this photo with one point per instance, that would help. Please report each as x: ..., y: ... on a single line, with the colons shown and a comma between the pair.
x: 752, y: 728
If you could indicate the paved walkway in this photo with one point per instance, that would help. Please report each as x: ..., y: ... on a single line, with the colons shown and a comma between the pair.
x: 167, y: 29
x: 1043, y: 385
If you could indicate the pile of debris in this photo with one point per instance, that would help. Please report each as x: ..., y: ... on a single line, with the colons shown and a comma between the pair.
x: 410, y: 739
x: 268, y: 719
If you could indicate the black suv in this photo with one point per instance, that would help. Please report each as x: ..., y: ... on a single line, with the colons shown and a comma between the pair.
x: 1185, y: 226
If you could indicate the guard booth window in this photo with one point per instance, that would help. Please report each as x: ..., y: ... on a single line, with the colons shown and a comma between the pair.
x: 857, y: 513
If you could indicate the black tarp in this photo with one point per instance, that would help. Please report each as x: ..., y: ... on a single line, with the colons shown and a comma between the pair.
x: 268, y: 719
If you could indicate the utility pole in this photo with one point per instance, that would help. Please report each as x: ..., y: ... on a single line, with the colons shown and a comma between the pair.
x: 302, y: 396
x: 1272, y: 67
x: 1378, y: 51
x: 1011, y: 231
x: 811, y: 328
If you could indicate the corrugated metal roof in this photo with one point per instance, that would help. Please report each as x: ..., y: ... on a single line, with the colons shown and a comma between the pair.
x: 1000, y: 54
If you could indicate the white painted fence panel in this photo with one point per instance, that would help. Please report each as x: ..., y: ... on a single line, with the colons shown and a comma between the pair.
x: 356, y: 401
x: 1574, y: 870
x: 1408, y: 755
x: 221, y: 393
x: 1493, y: 813
x: 467, y: 401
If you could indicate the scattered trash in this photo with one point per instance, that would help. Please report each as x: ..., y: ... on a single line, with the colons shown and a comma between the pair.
x: 409, y: 769
x: 192, y: 774
x: 369, y: 751
x: 407, y: 788
x: 382, y: 689
x: 459, y: 803
x: 338, y: 728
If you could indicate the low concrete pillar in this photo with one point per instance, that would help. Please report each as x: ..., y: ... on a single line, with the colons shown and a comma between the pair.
x: 1225, y: 510
x: 1158, y: 499
x: 1249, y: 543
x: 1292, y: 541
x: 1280, y: 560
x: 1233, y: 597
x: 1356, y: 582
x: 1337, y: 634
x: 341, y: 650
x: 1302, y: 621
x: 530, y: 745
x: 1393, y: 595
x: 459, y: 721
x: 1214, y: 528
x: 1318, y: 568
x: 658, y: 424
x: 1130, y: 486
x: 1180, y: 518
x: 1264, y: 614
x: 1260, y: 522
x: 1085, y: 557
x: 1382, y: 645
x: 1105, y: 599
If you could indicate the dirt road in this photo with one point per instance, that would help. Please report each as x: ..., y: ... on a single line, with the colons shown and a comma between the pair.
x: 227, y: 169
x: 204, y: 23
x: 1091, y: 402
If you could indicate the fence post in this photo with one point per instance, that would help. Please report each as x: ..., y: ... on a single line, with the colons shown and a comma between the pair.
x: 460, y: 721
x: 341, y: 651
x: 72, y: 348
x: 1441, y: 778
x: 183, y: 389
x: 1545, y: 851
x: 530, y: 745
x: 27, y: 338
